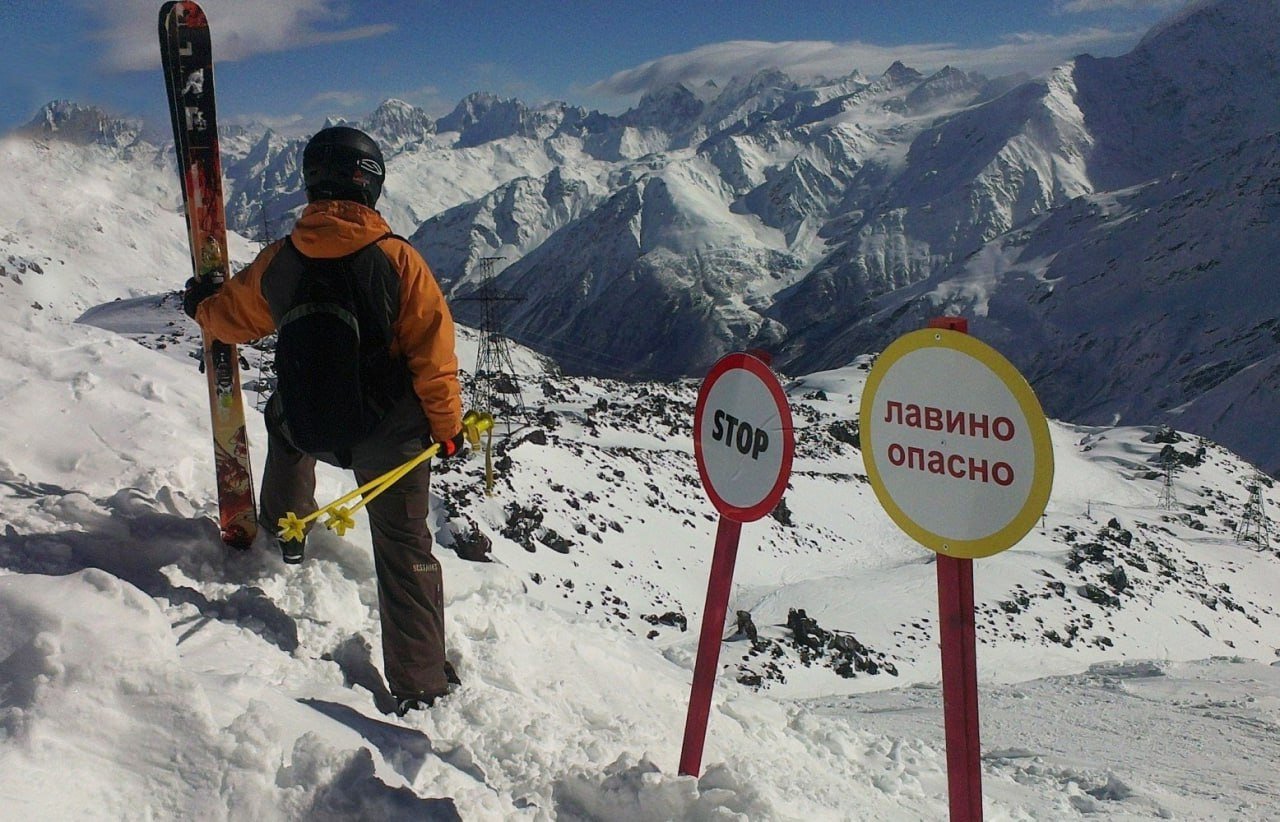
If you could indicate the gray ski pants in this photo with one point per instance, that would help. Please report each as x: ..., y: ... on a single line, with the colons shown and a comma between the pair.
x: 410, y: 584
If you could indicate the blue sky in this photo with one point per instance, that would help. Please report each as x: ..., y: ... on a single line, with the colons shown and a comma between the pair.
x: 292, y: 62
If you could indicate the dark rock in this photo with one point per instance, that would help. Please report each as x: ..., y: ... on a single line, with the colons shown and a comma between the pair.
x: 782, y: 513
x: 1093, y: 593
x: 1088, y: 552
x: 1164, y: 434
x: 672, y: 618
x: 522, y: 525
x: 553, y: 540
x: 846, y: 431
x: 470, y: 543
x: 746, y: 629
x: 1117, y: 579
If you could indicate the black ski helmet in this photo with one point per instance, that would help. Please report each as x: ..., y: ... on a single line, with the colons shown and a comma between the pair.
x: 343, y: 163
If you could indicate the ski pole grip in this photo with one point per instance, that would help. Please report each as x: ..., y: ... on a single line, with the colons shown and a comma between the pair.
x: 340, y: 520
x: 292, y: 529
x: 475, y: 422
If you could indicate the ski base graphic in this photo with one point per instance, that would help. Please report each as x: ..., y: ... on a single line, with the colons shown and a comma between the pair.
x: 187, y: 57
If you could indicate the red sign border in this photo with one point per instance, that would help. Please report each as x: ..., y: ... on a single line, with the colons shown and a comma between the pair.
x: 761, y: 371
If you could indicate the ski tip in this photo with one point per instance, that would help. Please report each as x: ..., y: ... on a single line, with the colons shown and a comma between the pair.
x: 193, y: 15
x: 188, y: 14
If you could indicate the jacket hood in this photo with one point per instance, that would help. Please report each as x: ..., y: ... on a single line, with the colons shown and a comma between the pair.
x: 336, y: 228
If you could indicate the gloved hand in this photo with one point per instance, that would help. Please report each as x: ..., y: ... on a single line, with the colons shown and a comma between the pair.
x: 195, y: 292
x: 454, y: 447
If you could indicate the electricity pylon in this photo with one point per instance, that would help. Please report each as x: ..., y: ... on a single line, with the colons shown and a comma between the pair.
x: 494, y: 387
x: 1168, y: 500
x: 1254, y: 526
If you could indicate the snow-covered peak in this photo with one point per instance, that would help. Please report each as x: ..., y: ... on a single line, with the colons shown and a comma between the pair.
x: 764, y: 80
x: 673, y: 108
x: 743, y: 97
x: 483, y: 117
x: 943, y: 87
x: 83, y: 125
x: 1204, y: 81
x: 395, y: 123
x: 898, y: 75
x: 475, y: 108
x: 852, y: 80
x: 1181, y: 19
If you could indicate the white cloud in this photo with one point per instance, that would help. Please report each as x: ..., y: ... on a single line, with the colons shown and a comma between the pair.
x: 290, y: 125
x: 244, y: 28
x: 430, y: 98
x: 1079, y: 6
x: 1030, y: 52
x: 346, y: 99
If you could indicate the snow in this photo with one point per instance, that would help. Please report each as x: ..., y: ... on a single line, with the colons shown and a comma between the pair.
x: 450, y: 178
x: 1128, y: 656
x: 1060, y: 733
x: 177, y: 680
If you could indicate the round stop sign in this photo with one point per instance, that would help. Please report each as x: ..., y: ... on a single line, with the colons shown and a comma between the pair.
x: 955, y: 443
x: 743, y: 438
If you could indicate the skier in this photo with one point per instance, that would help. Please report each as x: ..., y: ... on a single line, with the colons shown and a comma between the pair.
x: 369, y: 408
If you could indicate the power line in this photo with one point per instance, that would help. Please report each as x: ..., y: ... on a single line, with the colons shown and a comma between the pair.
x: 265, y: 385
x: 1168, y: 500
x: 1254, y: 525
x: 594, y: 361
x: 494, y: 385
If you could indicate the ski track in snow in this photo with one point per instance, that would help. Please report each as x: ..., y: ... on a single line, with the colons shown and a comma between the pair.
x: 1123, y: 740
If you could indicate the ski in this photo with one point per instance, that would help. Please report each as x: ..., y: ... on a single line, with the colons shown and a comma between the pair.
x: 187, y: 58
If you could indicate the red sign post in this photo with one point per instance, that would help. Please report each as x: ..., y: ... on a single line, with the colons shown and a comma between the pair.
x: 957, y: 449
x: 744, y: 442
x: 959, y: 641
x: 960, y: 687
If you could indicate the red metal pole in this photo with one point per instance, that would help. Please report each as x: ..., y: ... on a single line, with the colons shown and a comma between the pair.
x: 704, y: 669
x: 959, y: 668
x: 960, y: 687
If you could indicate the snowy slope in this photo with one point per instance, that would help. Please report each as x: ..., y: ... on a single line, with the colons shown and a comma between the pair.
x: 1073, y: 297
x: 820, y: 219
x: 1126, y: 239
x: 176, y: 680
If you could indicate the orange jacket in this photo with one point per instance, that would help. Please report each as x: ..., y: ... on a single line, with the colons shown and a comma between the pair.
x: 424, y: 333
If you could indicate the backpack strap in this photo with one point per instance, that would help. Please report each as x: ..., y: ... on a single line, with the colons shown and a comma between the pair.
x: 302, y: 310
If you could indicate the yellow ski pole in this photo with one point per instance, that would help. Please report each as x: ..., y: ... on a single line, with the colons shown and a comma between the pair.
x: 472, y: 424
x: 488, y: 462
x: 340, y: 518
x: 291, y: 526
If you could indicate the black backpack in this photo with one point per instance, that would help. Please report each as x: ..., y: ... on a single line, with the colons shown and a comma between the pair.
x: 337, y: 378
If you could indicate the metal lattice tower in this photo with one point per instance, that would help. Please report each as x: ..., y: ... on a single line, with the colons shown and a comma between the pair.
x: 266, y: 347
x: 1254, y: 525
x: 495, y: 387
x: 265, y: 385
x: 1168, y: 500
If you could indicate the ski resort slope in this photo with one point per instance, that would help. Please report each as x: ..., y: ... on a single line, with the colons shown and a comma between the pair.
x: 1126, y: 651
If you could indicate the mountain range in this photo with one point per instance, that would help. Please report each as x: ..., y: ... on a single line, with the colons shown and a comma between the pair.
x: 1107, y: 225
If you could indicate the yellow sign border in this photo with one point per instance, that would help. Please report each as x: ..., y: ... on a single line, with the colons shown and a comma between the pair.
x: 1042, y: 446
